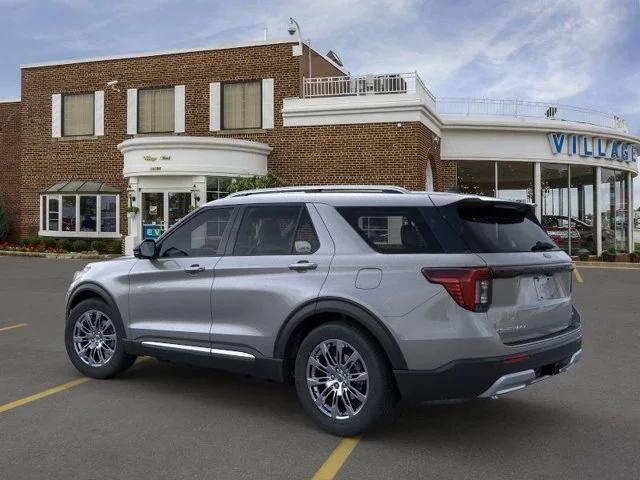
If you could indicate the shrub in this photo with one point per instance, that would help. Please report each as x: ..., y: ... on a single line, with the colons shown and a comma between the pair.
x: 79, y: 246
x: 99, y: 246
x: 115, y: 247
x: 65, y: 244
x: 48, y: 242
x: 259, y: 181
x: 583, y: 254
x: 4, y: 221
x: 30, y: 241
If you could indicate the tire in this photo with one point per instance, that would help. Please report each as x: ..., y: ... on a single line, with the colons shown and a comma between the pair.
x: 351, y: 415
x: 101, y: 353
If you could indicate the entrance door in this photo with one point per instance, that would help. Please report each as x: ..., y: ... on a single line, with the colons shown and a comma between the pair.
x: 153, y: 211
x: 162, y: 210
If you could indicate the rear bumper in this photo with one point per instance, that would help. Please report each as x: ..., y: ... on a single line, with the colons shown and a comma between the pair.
x: 487, y: 377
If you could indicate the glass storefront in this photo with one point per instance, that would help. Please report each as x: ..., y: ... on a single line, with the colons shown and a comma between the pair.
x: 477, y: 178
x: 568, y: 199
x: 515, y: 181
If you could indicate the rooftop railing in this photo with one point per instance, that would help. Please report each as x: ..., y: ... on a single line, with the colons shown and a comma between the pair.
x: 523, y: 109
x: 411, y: 83
x: 357, y: 85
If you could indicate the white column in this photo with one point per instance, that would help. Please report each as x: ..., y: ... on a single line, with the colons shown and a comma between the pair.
x: 630, y: 211
x: 598, y: 211
x: 537, y: 190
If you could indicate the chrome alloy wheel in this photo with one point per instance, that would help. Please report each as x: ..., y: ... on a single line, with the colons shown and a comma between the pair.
x: 94, y: 338
x: 337, y: 379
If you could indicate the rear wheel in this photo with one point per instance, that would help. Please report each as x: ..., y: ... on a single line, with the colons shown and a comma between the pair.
x: 93, y: 338
x: 343, y: 380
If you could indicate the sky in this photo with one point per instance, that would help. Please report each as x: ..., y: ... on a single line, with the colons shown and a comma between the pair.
x: 578, y: 52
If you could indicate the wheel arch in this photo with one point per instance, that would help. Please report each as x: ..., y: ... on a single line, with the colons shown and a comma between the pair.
x: 320, y: 311
x: 86, y: 291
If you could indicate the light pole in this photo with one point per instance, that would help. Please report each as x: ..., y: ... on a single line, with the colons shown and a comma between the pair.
x: 294, y: 27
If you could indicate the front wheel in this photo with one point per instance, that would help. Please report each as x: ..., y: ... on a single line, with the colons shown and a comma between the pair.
x: 343, y: 379
x: 93, y: 338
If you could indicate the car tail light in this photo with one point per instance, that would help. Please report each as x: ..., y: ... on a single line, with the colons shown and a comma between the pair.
x: 469, y: 287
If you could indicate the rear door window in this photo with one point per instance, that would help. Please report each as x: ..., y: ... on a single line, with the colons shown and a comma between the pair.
x: 494, y: 227
x: 276, y: 230
x: 393, y: 229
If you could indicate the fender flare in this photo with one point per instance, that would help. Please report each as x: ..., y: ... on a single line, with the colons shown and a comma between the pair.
x: 340, y: 306
x: 96, y: 290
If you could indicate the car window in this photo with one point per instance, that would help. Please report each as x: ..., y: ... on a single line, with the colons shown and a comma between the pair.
x: 496, y: 227
x: 393, y: 229
x: 276, y: 230
x: 200, y: 236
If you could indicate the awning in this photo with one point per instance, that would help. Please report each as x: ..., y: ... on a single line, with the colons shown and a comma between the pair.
x: 80, y: 187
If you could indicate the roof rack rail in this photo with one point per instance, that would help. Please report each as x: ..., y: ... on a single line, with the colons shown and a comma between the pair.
x: 325, y: 189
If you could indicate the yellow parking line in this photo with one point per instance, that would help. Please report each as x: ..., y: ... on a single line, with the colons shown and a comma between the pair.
x: 45, y: 393
x: 20, y: 325
x: 578, y: 276
x: 334, y: 463
x: 51, y: 391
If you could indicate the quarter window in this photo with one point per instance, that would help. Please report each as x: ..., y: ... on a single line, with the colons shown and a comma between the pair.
x: 393, y: 229
x: 276, y: 230
x: 242, y: 105
x: 78, y: 114
x: 156, y: 110
x: 199, y: 236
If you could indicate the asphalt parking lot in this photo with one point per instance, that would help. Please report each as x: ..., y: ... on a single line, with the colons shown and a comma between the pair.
x: 165, y: 421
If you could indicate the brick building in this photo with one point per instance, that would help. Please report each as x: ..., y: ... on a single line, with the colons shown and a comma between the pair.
x: 167, y: 131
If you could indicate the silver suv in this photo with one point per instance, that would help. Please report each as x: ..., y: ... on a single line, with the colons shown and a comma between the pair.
x: 357, y: 295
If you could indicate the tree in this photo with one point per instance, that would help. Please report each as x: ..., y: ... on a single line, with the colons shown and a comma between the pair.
x: 4, y: 220
x: 250, y: 183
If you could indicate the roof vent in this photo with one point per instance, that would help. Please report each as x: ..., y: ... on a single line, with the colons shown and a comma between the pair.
x: 334, y: 57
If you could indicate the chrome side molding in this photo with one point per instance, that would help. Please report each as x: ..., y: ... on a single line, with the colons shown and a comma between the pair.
x: 196, y: 349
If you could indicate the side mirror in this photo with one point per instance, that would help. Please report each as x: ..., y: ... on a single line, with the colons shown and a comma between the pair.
x: 147, y: 249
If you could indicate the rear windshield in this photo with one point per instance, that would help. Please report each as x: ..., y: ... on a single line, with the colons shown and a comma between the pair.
x: 395, y: 229
x: 493, y: 227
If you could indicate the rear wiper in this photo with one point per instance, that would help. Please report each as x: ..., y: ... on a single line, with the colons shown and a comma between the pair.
x: 539, y: 246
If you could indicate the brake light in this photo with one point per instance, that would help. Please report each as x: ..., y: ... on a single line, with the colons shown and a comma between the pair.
x: 469, y: 287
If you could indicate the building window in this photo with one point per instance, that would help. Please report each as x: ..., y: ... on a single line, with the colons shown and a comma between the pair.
x: 614, y: 210
x: 74, y: 215
x: 242, y: 105
x: 478, y: 178
x: 217, y: 187
x: 515, y: 181
x: 78, y: 114
x: 156, y: 110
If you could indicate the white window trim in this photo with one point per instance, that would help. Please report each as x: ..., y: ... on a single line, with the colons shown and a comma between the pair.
x: 78, y: 234
x: 179, y: 109
x: 56, y: 115
x: 214, y: 107
x: 98, y: 113
x: 268, y: 108
x: 132, y: 111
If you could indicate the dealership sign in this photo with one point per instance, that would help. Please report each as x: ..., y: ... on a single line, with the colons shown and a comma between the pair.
x: 590, y: 146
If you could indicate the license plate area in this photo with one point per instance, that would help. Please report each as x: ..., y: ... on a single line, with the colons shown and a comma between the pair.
x: 546, y: 287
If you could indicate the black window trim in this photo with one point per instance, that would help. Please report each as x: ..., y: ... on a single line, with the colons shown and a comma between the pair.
x: 222, y: 248
x: 93, y: 109
x: 233, y: 237
x: 143, y: 89
x: 235, y: 82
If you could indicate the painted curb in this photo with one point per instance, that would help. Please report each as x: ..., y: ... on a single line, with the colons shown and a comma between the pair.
x: 59, y: 256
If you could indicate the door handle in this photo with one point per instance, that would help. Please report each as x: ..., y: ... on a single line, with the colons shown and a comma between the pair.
x: 194, y: 269
x: 303, y: 265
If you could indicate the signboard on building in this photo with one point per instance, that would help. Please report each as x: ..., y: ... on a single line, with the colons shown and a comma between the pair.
x: 593, y: 146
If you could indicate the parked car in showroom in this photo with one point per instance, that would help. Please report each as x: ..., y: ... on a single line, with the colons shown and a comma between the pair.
x: 357, y: 295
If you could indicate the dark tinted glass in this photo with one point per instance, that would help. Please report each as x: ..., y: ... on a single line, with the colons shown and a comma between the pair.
x: 393, y: 229
x: 306, y: 240
x: 268, y: 230
x: 492, y: 227
x: 199, y: 236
